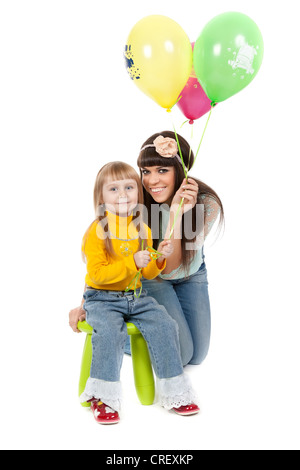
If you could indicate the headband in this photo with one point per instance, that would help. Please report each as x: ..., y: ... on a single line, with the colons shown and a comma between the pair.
x: 166, y: 147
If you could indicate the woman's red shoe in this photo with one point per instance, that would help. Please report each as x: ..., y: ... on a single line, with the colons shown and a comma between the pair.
x: 103, y: 414
x: 187, y: 410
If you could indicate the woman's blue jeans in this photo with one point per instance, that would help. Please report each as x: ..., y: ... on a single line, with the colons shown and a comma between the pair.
x: 187, y: 302
x: 108, y: 312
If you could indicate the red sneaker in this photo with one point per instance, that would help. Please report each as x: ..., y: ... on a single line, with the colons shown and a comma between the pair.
x: 187, y: 410
x: 103, y: 414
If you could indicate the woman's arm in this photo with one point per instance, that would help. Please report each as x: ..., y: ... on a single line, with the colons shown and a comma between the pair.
x: 190, y: 193
x: 211, y: 213
x: 174, y: 260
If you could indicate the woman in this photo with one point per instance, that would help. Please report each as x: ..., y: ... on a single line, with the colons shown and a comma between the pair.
x: 182, y: 287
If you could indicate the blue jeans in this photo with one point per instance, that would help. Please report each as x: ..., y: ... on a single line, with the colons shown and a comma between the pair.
x: 108, y: 312
x: 187, y: 302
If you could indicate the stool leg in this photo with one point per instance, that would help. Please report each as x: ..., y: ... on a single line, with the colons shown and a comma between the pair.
x: 85, y: 366
x: 142, y: 370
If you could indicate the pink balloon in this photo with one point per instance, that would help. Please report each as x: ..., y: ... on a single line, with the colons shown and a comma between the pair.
x: 193, y: 103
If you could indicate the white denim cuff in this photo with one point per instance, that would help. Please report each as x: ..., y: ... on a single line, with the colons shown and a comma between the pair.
x: 175, y: 392
x: 109, y: 393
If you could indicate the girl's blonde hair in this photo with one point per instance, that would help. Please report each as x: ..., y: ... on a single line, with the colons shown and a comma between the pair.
x: 116, y: 171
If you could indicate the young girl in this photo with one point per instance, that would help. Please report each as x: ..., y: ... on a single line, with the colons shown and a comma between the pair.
x: 114, y: 247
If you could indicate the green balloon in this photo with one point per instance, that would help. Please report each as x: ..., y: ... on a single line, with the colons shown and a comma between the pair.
x: 228, y: 55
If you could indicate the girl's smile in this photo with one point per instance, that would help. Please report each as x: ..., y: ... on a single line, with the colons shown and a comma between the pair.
x: 159, y: 182
x: 120, y: 196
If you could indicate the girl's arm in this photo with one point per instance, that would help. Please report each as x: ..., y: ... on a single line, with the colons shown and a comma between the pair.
x: 155, y: 266
x: 101, y: 270
x: 77, y: 314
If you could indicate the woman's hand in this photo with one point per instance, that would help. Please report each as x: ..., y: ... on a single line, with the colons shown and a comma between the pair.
x: 142, y: 259
x: 188, y: 191
x: 76, y: 315
x: 166, y: 248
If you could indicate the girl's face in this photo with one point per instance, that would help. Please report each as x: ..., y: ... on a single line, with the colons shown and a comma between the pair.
x: 120, y: 196
x: 159, y: 181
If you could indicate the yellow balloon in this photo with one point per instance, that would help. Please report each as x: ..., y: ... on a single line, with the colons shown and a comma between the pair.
x: 159, y: 58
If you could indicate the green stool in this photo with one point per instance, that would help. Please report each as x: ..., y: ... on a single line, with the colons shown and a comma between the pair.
x: 141, y: 363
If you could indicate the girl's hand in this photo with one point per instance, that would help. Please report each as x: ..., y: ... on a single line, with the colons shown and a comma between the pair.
x: 166, y: 249
x: 76, y: 315
x: 188, y: 190
x: 142, y: 259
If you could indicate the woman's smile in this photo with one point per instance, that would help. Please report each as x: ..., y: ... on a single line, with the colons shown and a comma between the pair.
x: 157, y: 190
x: 159, y: 182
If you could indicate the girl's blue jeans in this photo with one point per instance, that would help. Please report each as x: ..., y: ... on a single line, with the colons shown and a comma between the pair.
x: 187, y: 302
x: 108, y: 312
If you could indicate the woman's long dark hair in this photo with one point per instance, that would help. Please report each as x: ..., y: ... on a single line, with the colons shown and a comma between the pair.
x: 149, y: 157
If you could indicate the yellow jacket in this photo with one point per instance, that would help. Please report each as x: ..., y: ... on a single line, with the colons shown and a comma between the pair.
x: 115, y: 273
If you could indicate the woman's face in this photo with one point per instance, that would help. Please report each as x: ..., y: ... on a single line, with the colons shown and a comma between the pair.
x: 159, y: 181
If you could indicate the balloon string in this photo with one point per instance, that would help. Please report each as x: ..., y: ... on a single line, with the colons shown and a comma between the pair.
x: 186, y: 177
x: 192, y: 136
x: 212, y: 106
x: 180, y: 152
x: 154, y: 255
x: 190, y: 152
x: 183, y: 165
x: 169, y: 110
x: 184, y: 123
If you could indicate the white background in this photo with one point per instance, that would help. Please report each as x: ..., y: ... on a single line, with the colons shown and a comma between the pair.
x: 67, y: 106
